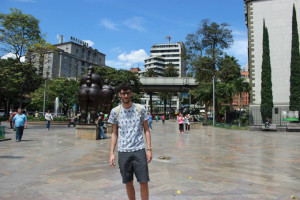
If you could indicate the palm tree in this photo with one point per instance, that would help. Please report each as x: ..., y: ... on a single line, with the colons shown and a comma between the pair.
x: 203, y: 93
x: 170, y: 71
x: 150, y: 73
x: 242, y: 86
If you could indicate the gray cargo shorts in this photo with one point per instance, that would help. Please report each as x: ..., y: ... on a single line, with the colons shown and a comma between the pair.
x: 134, y: 163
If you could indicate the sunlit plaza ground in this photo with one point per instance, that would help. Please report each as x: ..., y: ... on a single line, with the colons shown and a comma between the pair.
x: 207, y: 163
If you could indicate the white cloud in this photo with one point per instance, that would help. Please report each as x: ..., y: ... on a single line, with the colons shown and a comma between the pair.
x: 116, y: 49
x: 90, y: 43
x: 135, y: 23
x: 11, y: 55
x: 125, y: 61
x: 239, y: 50
x: 108, y: 24
x: 239, y: 33
x: 134, y: 56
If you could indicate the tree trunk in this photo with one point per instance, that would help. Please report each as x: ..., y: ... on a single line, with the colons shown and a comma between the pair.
x: 21, y: 101
x: 240, y: 109
x: 7, y: 107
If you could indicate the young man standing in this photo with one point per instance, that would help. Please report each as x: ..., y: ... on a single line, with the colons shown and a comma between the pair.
x: 19, y: 122
x: 128, y: 121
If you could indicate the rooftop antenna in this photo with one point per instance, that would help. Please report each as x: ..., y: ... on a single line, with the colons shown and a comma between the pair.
x: 168, y: 37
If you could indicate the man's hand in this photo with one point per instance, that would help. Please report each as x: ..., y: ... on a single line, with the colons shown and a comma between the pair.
x: 25, y: 125
x: 112, y: 160
x: 149, y: 156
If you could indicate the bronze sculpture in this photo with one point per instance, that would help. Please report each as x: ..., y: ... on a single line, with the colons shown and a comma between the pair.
x: 108, y: 96
x: 89, y: 95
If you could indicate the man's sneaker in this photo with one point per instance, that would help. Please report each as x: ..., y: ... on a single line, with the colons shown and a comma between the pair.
x: 18, y: 140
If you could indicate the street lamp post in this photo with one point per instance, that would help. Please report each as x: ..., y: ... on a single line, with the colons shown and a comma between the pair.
x: 44, y: 97
x: 213, y: 81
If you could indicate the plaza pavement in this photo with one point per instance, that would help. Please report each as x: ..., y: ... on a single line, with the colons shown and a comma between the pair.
x: 206, y: 164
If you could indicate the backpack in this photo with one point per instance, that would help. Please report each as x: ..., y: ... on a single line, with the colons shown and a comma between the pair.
x: 138, y: 107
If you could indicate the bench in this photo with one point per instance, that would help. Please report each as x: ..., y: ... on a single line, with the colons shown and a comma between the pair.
x: 293, y: 127
x: 272, y: 127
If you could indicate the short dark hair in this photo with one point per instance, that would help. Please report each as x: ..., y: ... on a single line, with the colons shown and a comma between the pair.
x: 125, y: 86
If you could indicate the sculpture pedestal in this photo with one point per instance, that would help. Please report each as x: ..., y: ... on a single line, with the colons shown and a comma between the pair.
x: 87, y: 132
x: 196, y: 125
x: 109, y: 128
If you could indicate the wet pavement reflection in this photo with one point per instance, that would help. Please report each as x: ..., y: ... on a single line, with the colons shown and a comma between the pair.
x: 206, y: 163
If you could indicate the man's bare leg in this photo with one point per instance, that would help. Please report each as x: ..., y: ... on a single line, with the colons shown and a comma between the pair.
x: 130, y: 190
x: 144, y: 191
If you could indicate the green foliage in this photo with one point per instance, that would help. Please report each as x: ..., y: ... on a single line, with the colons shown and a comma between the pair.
x: 116, y: 77
x: 60, y: 119
x: 295, y: 66
x: 210, y: 39
x: 37, y: 52
x: 229, y: 69
x: 17, y: 79
x: 20, y: 32
x: 42, y: 118
x: 66, y: 90
x: 266, y: 80
x: 170, y: 71
x: 150, y: 73
x: 32, y: 118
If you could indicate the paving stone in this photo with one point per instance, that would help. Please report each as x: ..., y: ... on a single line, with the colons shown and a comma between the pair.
x: 206, y: 164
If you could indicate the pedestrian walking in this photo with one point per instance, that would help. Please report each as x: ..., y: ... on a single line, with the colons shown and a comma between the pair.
x: 187, y: 122
x: 19, y: 122
x: 128, y: 121
x: 180, y: 120
x: 100, y: 125
x: 150, y: 120
x: 48, y: 118
x: 12, y: 115
x: 163, y: 119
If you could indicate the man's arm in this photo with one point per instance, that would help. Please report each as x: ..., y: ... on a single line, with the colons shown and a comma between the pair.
x: 148, y: 140
x: 114, y: 139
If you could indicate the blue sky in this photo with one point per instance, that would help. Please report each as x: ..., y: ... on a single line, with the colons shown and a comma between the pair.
x: 125, y: 30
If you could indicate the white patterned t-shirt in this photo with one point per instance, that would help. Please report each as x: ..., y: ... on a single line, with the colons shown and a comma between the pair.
x: 130, y: 128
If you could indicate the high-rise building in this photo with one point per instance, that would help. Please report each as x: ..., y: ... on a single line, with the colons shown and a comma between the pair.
x: 163, y: 55
x: 70, y: 60
x: 277, y: 15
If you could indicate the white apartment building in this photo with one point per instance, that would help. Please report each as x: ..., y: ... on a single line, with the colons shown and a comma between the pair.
x: 163, y: 55
x: 70, y: 60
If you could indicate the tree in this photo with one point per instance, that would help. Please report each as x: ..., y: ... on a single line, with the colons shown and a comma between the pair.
x: 66, y: 90
x: 8, y: 91
x: 242, y: 87
x: 209, y: 40
x: 295, y: 66
x: 20, y: 31
x: 37, y: 52
x: 266, y: 79
x: 170, y: 71
x: 116, y: 77
x: 18, y: 78
x: 150, y: 73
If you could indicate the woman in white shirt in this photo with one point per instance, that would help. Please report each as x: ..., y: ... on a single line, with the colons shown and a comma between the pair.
x: 187, y: 122
x: 48, y: 118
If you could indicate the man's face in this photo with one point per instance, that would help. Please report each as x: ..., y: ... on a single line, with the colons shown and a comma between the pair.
x: 19, y: 111
x: 125, y: 95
